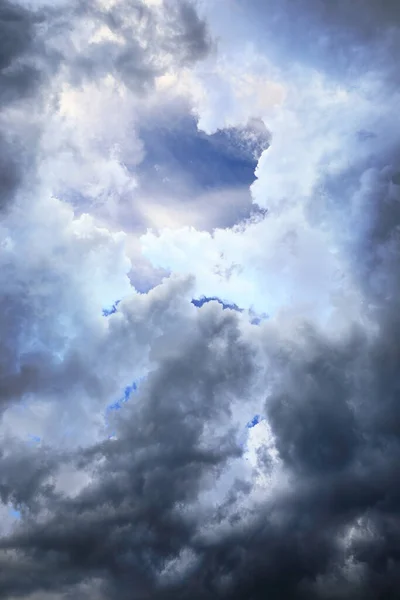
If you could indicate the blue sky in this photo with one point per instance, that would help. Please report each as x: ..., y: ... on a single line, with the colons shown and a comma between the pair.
x: 202, y: 162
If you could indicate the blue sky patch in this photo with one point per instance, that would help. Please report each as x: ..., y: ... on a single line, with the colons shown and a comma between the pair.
x: 13, y: 512
x: 254, y: 421
x: 255, y: 319
x: 258, y: 319
x: 206, y: 161
x: 33, y: 439
x: 128, y: 391
x: 199, y: 302
x: 111, y: 310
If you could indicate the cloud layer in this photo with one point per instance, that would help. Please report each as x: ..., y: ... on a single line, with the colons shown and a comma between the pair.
x: 157, y: 298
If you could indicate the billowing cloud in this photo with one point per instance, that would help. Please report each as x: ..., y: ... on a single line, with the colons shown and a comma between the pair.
x: 229, y: 427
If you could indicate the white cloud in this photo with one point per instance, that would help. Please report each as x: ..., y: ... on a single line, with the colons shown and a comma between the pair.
x: 295, y: 258
x: 279, y: 263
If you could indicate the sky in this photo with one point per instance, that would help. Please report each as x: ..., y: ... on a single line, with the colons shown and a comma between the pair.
x: 199, y: 283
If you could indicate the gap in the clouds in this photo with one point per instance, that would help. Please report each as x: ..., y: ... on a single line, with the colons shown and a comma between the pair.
x: 190, y: 178
x: 110, y: 310
x: 34, y: 439
x: 244, y: 436
x: 177, y: 148
x: 14, y: 513
x: 199, y: 302
x: 128, y: 391
x: 117, y: 405
x: 254, y: 421
x: 255, y: 319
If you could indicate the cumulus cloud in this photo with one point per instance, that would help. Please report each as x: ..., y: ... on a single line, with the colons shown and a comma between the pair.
x: 127, y: 468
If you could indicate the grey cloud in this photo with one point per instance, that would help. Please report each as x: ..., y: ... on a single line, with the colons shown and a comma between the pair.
x: 342, y: 453
x: 312, y: 414
x: 25, y: 474
x: 174, y: 35
x: 332, y: 408
x: 127, y: 524
x: 17, y: 34
x: 19, y: 79
x: 9, y: 174
x: 36, y: 45
x: 188, y: 31
x: 344, y: 38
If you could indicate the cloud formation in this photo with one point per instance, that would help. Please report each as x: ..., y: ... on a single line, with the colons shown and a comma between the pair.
x: 283, y: 315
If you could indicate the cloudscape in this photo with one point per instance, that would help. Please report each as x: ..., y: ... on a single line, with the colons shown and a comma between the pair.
x: 199, y: 299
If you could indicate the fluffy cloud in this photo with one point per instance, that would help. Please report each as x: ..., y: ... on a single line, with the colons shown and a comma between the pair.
x: 61, y: 268
x: 126, y: 467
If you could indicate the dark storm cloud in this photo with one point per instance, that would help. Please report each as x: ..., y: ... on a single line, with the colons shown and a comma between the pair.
x: 334, y: 413
x: 127, y: 524
x: 19, y: 79
x: 18, y: 28
x: 333, y: 410
x: 24, y: 474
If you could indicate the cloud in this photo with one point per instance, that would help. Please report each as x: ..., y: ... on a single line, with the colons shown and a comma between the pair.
x: 165, y: 474
x: 47, y: 50
x: 342, y: 39
x: 18, y: 76
x: 276, y: 262
x: 47, y: 304
x: 174, y: 495
x: 140, y: 512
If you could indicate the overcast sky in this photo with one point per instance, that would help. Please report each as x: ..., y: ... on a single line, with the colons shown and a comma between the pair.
x: 199, y: 314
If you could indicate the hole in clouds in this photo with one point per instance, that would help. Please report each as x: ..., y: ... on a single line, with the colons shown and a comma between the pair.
x: 254, y: 421
x: 111, y: 309
x: 181, y: 152
x: 14, y: 513
x: 190, y: 178
x: 128, y: 391
x: 255, y: 319
x: 34, y: 439
x: 225, y: 305
x: 118, y: 404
